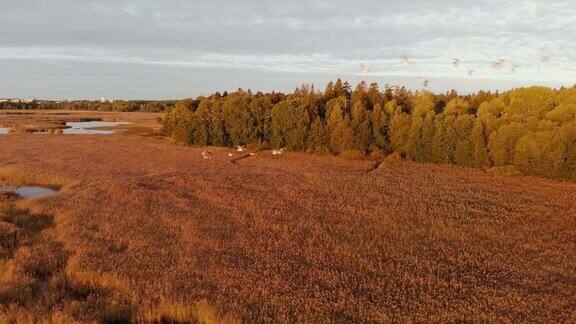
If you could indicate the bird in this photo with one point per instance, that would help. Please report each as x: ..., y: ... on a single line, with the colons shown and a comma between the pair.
x: 365, y: 68
x: 545, y: 60
x: 514, y: 67
x: 425, y: 82
x: 240, y: 148
x: 278, y: 152
x: 470, y: 72
x: 406, y: 59
x: 456, y: 62
x: 206, y: 155
x: 498, y: 64
x: 230, y: 154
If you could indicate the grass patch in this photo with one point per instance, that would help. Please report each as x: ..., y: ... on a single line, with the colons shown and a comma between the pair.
x: 19, y: 177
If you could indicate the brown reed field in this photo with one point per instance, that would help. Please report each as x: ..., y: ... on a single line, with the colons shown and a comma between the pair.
x: 144, y: 230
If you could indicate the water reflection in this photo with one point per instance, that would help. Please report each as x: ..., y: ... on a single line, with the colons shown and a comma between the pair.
x: 30, y: 191
x: 87, y: 128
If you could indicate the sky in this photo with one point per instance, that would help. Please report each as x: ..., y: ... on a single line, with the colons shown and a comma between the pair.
x: 170, y: 49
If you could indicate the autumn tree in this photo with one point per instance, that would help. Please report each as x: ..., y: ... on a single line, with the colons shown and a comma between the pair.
x: 318, y: 140
x: 290, y: 122
x: 339, y: 129
x: 380, y: 126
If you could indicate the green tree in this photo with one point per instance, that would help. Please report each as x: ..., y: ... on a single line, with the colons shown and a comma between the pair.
x: 502, y: 143
x: 479, y: 148
x: 290, y: 122
x: 340, y: 131
x: 237, y: 118
x: 179, y: 122
x: 318, y: 140
x: 361, y: 126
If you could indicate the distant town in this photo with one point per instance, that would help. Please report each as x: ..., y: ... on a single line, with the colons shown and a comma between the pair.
x: 27, y: 101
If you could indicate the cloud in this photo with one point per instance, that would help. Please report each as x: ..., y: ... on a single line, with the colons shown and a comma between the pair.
x: 297, y: 37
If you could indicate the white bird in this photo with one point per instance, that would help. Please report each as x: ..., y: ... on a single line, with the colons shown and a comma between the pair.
x: 240, y: 148
x: 278, y: 152
x: 230, y: 154
x: 365, y: 68
x: 407, y: 60
x: 498, y: 65
x: 206, y: 155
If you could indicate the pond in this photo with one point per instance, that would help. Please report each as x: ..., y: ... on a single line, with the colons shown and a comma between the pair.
x: 88, y: 128
x: 29, y: 191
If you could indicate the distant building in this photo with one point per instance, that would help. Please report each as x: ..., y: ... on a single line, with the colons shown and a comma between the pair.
x: 17, y: 100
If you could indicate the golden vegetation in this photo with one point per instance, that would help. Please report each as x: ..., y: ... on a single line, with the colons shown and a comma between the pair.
x: 147, y: 231
x: 18, y: 177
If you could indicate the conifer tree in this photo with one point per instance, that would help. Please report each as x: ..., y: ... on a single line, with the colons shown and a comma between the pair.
x: 340, y: 132
x: 380, y: 122
x: 318, y: 140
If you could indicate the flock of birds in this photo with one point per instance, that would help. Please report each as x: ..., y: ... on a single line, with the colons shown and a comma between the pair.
x: 498, y: 65
x: 207, y: 154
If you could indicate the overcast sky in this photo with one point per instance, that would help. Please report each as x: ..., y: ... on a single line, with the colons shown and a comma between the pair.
x: 58, y: 49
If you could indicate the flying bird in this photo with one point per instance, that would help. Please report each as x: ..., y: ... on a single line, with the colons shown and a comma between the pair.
x: 498, y: 65
x: 365, y: 68
x: 406, y: 59
x: 456, y: 62
x: 470, y: 72
x: 545, y: 60
x: 425, y: 82
x: 514, y: 67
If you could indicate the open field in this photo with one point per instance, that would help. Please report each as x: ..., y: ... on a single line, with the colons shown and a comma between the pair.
x: 147, y: 230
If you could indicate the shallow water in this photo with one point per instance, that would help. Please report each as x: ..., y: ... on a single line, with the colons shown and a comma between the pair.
x: 3, y: 130
x: 30, y: 191
x: 86, y: 128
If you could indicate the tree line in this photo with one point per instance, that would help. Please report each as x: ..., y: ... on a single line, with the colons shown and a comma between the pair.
x: 92, y: 105
x: 526, y: 130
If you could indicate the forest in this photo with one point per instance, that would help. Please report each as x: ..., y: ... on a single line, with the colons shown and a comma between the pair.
x: 529, y: 131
